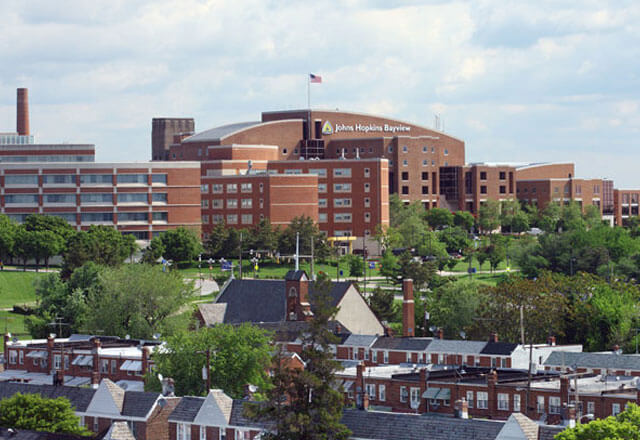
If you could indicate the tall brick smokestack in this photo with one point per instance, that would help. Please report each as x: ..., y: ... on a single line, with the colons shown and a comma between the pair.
x: 408, y: 316
x: 22, y: 116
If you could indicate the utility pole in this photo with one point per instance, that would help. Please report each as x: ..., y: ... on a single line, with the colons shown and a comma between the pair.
x: 313, y: 277
x: 522, y: 325
x: 297, y: 251
x: 240, y: 265
x: 208, y: 370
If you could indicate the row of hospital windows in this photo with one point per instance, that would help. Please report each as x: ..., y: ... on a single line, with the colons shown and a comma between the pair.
x: 232, y: 188
x: 46, y: 158
x: 88, y: 198
x: 247, y: 219
x: 248, y: 203
x: 90, y: 217
x: 71, y: 179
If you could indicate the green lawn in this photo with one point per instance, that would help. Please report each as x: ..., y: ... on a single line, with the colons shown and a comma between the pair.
x: 17, y: 287
x: 14, y: 324
x: 463, y: 266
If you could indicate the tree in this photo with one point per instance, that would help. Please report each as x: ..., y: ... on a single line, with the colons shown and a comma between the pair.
x: 303, y: 404
x: 421, y: 273
x: 455, y: 239
x: 454, y: 306
x: 37, y: 413
x: 223, y: 242
x: 625, y: 425
x: 489, y: 216
x: 550, y: 217
x: 8, y: 230
x: 463, y: 220
x: 382, y: 304
x: 136, y: 300
x: 355, y: 264
x: 389, y: 265
x: 439, y: 218
x: 308, y: 231
x: 152, y: 253
x: 239, y: 355
x: 264, y: 237
x: 180, y: 244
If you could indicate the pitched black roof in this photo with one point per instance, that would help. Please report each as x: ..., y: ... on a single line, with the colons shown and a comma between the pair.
x: 187, y: 409
x: 264, y: 300
x: 405, y: 344
x: 138, y: 403
x: 79, y: 397
x: 21, y: 434
x: 502, y: 348
x: 238, y: 417
x: 295, y: 275
x: 375, y: 425
x: 289, y: 331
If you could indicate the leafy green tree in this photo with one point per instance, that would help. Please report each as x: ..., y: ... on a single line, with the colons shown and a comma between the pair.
x: 625, y: 425
x: 439, y: 218
x: 482, y: 255
x: 389, y: 265
x: 455, y: 239
x: 454, y: 306
x: 264, y: 237
x: 571, y: 217
x: 421, y: 273
x: 303, y: 403
x: 223, y: 242
x: 152, y: 253
x: 464, y: 220
x: 239, y: 355
x: 497, y: 254
x: 355, y: 264
x: 509, y: 210
x: 8, y: 231
x: 308, y: 231
x: 520, y: 222
x: 180, y: 244
x: 382, y: 304
x: 550, y: 217
x: 489, y: 216
x: 135, y: 300
x: 37, y: 413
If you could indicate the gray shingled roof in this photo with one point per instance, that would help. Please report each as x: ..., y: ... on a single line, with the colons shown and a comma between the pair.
x: 501, y: 348
x: 393, y: 426
x: 79, y: 397
x: 594, y: 360
x: 453, y: 346
x: 218, y: 133
x: 264, y: 300
x: 212, y: 313
x: 119, y: 431
x: 360, y: 340
x: 406, y: 344
x: 138, y: 403
x: 238, y: 417
x: 187, y: 409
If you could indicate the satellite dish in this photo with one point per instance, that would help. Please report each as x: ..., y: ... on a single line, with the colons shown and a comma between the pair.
x: 432, y: 328
x: 463, y: 334
x: 127, y: 337
x: 160, y: 378
x: 156, y: 336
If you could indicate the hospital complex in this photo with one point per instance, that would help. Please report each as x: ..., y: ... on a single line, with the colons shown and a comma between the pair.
x: 335, y: 167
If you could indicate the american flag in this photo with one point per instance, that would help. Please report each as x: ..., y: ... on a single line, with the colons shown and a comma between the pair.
x: 315, y: 78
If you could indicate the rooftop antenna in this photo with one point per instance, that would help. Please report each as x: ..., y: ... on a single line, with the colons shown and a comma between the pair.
x: 297, y: 251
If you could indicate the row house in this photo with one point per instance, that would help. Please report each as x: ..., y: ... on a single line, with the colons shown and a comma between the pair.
x: 612, y: 363
x: 145, y: 414
x: 78, y: 360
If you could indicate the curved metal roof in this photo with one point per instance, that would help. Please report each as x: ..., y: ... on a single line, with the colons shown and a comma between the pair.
x: 217, y: 133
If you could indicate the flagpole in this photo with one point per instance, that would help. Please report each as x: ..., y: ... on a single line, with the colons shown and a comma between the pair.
x: 308, y: 92
x: 308, y: 112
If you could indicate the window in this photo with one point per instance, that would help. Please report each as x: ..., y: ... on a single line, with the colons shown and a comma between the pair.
x: 135, y: 179
x: 217, y: 219
x: 503, y: 189
x: 159, y: 179
x: 503, y: 363
x: 483, y: 189
x: 341, y: 187
x: 405, y: 175
x: 204, y: 188
x: 470, y: 399
x: 382, y: 393
x: 494, y: 362
x: 217, y: 188
x: 446, y: 152
x: 133, y: 217
x: 12, y: 356
x: 322, y: 217
x: 405, y: 149
x: 247, y: 203
x: 21, y: 199
x: 425, y: 190
x: 322, y: 203
x: 96, y: 179
x: 293, y: 171
x: 232, y: 219
x: 385, y: 357
x: 503, y: 175
x: 615, y: 409
x: 322, y: 187
x: 96, y: 217
x: 554, y: 405
x: 367, y: 202
x: 183, y: 431
x: 374, y: 356
x: 232, y: 187
x: 247, y: 219
x: 367, y: 172
x: 104, y: 366
x: 482, y: 400
x: 578, y: 189
x: 342, y: 217
x: 246, y: 188
x: 261, y: 204
x: 503, y: 402
x: 415, y: 396
x: 133, y: 198
x: 204, y: 219
x: 425, y: 149
x: 95, y: 425
x: 232, y: 203
x: 21, y: 357
x: 371, y: 391
x: 405, y: 190
x: 540, y: 404
x: 591, y: 407
x: 425, y: 175
x: 59, y: 198
x: 217, y: 203
x: 321, y: 172
x: 59, y: 179
x: 114, y: 366
x: 341, y: 203
x: 596, y: 189
x: 408, y: 357
x: 203, y: 433
x: 516, y: 402
x: 21, y: 179
x: 425, y: 162
x: 160, y: 216
x: 483, y: 175
x: 342, y: 172
x: 390, y: 149
x: 405, y: 163
x: 159, y: 198
x: 367, y: 187
x: 367, y: 217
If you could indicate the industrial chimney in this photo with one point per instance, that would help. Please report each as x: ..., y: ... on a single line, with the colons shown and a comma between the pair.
x: 408, y: 317
x: 22, y: 116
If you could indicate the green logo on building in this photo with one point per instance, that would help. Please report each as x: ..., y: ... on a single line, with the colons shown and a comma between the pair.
x: 327, y: 128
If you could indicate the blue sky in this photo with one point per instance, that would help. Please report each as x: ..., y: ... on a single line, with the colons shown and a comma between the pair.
x: 516, y: 80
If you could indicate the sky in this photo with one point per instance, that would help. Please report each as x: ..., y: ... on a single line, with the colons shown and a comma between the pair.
x: 518, y: 81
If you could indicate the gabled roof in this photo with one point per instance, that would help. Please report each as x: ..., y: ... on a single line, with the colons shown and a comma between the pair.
x: 594, y: 360
x: 295, y: 275
x: 215, y: 410
x: 212, y: 313
x: 238, y: 417
x: 79, y: 397
x: 360, y: 340
x: 187, y: 409
x: 520, y: 427
x: 218, y: 133
x: 138, y: 403
x: 499, y: 348
x: 264, y: 300
x: 108, y: 399
x: 454, y: 346
x: 373, y: 425
x: 404, y: 344
x: 119, y: 431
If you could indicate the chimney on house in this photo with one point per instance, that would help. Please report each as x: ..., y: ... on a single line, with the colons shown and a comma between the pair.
x: 439, y: 334
x: 362, y: 398
x: 96, y: 358
x: 168, y: 387
x: 564, y: 390
x: 58, y: 378
x: 297, y: 292
x: 551, y: 340
x: 571, y: 416
x: 51, y: 340
x: 493, y: 337
x: 616, y: 349
x: 7, y: 338
x: 95, y: 379
x: 408, y: 313
x: 146, y: 354
x: 22, y: 115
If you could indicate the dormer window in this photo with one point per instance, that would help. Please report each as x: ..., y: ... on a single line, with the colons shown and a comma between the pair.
x: 292, y: 292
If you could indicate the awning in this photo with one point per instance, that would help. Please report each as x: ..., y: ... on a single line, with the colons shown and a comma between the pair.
x: 38, y: 355
x: 444, y: 394
x: 347, y: 385
x: 83, y: 361
x: 431, y: 393
x: 131, y: 366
